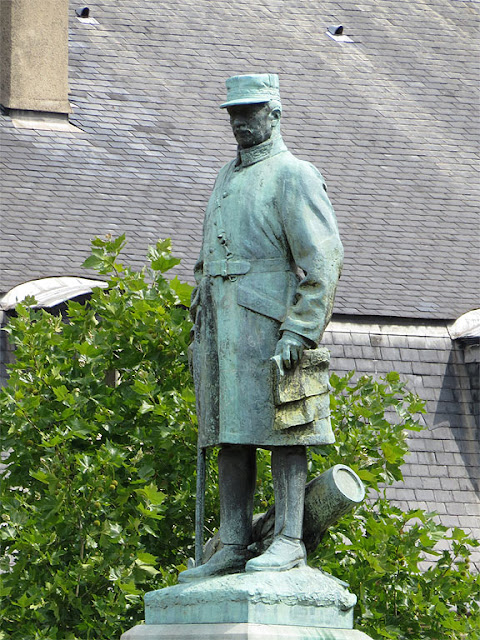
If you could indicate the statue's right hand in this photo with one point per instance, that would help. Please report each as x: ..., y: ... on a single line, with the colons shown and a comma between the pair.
x: 290, y: 349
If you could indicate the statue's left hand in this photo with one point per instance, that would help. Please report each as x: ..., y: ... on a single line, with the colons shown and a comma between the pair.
x: 290, y: 349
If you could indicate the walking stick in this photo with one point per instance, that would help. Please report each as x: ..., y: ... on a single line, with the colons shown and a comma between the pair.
x: 201, y: 455
x: 200, y: 505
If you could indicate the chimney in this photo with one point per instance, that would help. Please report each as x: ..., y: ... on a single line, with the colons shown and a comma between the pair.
x: 34, y: 58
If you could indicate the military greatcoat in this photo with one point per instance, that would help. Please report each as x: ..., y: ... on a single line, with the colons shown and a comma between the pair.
x: 270, y: 261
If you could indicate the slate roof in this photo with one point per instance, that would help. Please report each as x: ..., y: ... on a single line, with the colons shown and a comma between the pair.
x: 389, y: 119
x: 442, y: 470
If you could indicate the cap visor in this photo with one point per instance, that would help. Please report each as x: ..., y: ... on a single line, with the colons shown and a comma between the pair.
x: 231, y: 103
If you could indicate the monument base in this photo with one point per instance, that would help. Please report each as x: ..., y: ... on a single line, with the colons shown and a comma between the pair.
x: 241, y: 631
x: 300, y: 604
x: 303, y: 597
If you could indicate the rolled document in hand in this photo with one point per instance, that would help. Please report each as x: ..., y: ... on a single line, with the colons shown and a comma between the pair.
x: 301, y: 394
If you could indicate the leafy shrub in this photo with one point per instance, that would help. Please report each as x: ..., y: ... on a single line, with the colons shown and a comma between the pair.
x: 98, y: 500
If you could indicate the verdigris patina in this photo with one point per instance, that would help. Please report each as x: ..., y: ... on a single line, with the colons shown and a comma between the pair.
x: 266, y: 277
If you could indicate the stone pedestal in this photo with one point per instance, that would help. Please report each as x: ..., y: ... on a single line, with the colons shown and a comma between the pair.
x: 238, y: 632
x: 300, y: 604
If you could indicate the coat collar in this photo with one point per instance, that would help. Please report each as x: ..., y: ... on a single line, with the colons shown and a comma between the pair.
x: 247, y: 157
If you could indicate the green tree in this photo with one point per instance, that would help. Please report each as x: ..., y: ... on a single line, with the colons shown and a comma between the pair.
x: 380, y: 550
x: 98, y: 499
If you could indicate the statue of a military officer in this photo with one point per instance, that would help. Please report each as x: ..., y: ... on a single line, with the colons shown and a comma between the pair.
x: 266, y: 279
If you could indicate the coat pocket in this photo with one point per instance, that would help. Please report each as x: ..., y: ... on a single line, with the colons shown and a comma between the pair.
x: 258, y: 300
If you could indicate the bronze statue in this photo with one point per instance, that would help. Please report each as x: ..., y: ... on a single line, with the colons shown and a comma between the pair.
x: 266, y: 278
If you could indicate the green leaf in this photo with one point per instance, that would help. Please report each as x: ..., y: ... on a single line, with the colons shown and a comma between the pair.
x: 392, y: 452
x: 5, y: 591
x: 147, y: 568
x: 146, y: 407
x: 147, y: 558
x: 61, y: 392
x: 183, y: 291
x: 393, y: 376
x: 368, y: 476
x: 93, y: 262
x: 152, y: 494
x: 416, y: 406
x: 40, y: 475
x: 160, y: 257
x: 130, y: 588
x: 113, y: 529
x: 114, y: 574
x: 23, y: 601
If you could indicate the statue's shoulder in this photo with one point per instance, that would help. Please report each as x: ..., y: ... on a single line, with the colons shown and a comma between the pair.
x: 227, y: 166
x: 290, y: 165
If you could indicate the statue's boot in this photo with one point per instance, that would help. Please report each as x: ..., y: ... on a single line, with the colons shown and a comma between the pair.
x: 283, y: 554
x: 231, y: 558
x: 236, y: 479
x: 289, y: 470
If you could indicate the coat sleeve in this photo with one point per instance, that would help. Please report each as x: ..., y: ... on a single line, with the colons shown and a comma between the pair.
x: 312, y: 235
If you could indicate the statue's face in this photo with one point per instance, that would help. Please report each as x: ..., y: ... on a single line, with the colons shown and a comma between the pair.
x: 252, y: 123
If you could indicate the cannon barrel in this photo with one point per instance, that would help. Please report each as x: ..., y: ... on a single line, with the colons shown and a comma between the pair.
x: 328, y: 497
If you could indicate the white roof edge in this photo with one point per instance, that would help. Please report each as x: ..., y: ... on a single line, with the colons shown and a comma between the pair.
x: 48, y: 292
x: 466, y: 326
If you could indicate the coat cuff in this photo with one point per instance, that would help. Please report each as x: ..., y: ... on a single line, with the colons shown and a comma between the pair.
x: 307, y: 342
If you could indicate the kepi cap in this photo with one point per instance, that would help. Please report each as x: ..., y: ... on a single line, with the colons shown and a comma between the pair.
x: 252, y: 89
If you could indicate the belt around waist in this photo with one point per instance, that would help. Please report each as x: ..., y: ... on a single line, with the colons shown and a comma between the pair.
x: 227, y: 268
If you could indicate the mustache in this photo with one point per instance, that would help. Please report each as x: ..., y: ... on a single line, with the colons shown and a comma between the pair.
x: 241, y: 129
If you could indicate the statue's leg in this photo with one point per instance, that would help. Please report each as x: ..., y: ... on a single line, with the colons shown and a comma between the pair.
x: 237, y: 479
x: 237, y: 473
x: 289, y: 470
